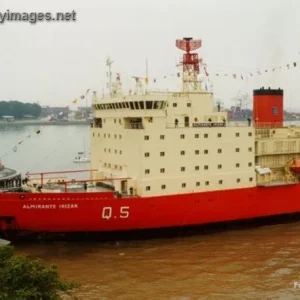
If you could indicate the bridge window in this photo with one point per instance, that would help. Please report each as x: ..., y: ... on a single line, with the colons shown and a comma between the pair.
x: 141, y: 103
x: 148, y: 104
x: 131, y: 105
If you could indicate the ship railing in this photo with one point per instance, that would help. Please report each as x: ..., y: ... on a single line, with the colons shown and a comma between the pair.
x: 270, y: 125
x: 65, y: 184
x: 209, y: 124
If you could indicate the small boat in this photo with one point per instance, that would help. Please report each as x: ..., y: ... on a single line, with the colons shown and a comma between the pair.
x: 81, y: 158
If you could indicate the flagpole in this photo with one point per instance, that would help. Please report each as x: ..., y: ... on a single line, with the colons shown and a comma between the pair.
x: 86, y: 113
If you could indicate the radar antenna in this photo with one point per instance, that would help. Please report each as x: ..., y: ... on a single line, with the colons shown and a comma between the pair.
x: 190, y: 63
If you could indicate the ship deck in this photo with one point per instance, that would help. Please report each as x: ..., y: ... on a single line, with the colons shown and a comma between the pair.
x: 275, y: 183
x: 72, y: 188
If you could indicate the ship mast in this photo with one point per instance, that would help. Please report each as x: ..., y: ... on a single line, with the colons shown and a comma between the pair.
x: 147, y: 78
x: 109, y: 62
x: 190, y: 63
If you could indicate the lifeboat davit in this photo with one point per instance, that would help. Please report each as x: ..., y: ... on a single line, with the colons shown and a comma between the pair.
x: 295, y: 167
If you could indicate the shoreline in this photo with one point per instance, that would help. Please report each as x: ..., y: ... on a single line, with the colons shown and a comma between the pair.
x: 42, y: 123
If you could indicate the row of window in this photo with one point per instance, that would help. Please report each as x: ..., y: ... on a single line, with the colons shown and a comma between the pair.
x: 107, y: 165
x: 197, y: 184
x: 197, y: 136
x: 182, y: 152
x: 110, y: 151
x: 136, y: 105
x: 162, y: 137
x: 188, y: 104
x: 108, y: 135
x: 132, y: 105
x: 197, y: 168
x: 197, y: 152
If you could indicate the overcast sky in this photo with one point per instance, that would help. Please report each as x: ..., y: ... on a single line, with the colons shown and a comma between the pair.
x: 54, y: 62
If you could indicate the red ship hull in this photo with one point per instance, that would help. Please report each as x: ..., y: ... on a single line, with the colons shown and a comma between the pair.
x: 99, y: 212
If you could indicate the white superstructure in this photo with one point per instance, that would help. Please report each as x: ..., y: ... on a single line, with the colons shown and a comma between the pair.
x: 169, y: 143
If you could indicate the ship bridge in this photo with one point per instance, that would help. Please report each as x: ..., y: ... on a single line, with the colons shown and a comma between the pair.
x: 133, y: 112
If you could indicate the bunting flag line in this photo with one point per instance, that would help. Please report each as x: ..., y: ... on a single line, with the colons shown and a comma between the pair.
x: 37, y: 131
x: 235, y: 75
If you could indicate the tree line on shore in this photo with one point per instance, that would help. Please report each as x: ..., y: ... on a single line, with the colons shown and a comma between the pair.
x: 19, y: 109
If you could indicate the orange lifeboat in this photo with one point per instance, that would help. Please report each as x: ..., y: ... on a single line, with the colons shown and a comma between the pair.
x: 295, y: 167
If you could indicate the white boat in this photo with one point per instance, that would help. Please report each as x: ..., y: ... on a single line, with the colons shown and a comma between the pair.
x: 81, y: 158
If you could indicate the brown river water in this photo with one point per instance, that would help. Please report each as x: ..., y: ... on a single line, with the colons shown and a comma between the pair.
x: 247, y: 263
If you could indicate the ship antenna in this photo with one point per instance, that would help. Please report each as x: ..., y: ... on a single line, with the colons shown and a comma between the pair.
x: 109, y: 62
x: 190, y: 62
x: 147, y: 78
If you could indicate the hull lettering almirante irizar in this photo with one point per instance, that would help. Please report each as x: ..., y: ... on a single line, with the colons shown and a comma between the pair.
x: 165, y: 159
